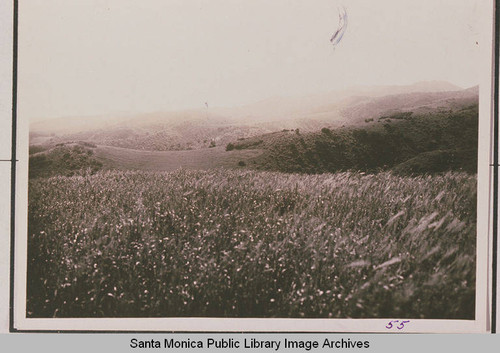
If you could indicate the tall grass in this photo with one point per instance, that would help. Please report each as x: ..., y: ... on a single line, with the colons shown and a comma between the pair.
x: 252, y: 244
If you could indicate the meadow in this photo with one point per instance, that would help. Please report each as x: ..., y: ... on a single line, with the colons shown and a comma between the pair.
x: 243, y: 243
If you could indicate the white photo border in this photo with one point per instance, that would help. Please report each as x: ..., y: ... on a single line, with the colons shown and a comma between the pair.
x: 481, y: 324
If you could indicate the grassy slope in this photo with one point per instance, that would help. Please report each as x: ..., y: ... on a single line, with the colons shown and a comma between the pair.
x: 252, y: 244
x: 217, y: 157
x: 382, y: 144
x: 78, y: 158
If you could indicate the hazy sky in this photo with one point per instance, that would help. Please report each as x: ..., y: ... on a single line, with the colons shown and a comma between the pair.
x: 88, y: 57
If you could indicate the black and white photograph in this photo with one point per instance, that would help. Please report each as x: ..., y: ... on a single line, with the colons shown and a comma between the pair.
x: 252, y: 165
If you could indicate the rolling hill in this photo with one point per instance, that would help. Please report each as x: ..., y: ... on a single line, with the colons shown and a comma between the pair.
x: 203, y: 159
x: 426, y: 127
x: 406, y: 142
x: 80, y: 158
x: 199, y: 129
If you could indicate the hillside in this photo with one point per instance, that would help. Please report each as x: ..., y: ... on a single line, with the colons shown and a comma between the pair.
x: 161, y: 137
x: 82, y: 158
x: 127, y: 159
x: 203, y: 128
x: 418, y: 103
x: 64, y: 159
x: 407, y: 143
x: 383, y: 143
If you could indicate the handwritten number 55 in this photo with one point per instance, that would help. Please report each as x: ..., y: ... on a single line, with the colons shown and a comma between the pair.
x: 399, y: 327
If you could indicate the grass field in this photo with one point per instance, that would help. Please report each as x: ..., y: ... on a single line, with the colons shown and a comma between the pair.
x: 128, y: 159
x: 231, y: 243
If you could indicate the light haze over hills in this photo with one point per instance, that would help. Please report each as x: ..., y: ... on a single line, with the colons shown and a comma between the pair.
x: 194, y: 129
x: 281, y: 108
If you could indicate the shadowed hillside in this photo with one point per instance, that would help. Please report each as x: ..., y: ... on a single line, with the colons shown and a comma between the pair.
x: 409, y: 143
x: 63, y: 159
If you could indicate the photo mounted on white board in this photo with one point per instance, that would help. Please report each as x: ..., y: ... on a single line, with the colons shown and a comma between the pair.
x: 254, y: 166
